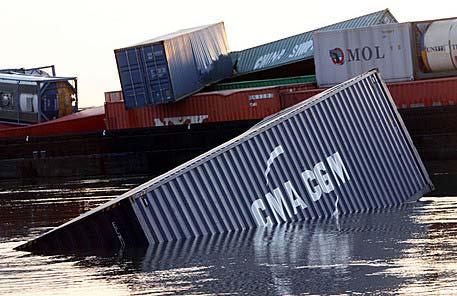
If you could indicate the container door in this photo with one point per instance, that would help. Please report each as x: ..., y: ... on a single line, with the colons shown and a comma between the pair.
x: 157, y: 73
x: 132, y: 78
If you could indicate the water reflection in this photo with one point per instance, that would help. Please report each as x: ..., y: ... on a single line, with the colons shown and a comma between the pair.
x: 320, y: 257
x: 404, y: 250
x: 30, y: 208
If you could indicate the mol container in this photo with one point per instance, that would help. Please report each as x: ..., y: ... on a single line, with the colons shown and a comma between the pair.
x: 340, y: 55
x: 171, y: 67
x: 401, y: 52
x: 341, y: 152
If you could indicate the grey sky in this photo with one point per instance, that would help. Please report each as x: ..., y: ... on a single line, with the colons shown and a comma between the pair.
x: 79, y: 36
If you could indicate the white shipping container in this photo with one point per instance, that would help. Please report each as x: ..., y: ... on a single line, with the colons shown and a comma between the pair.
x: 341, y: 55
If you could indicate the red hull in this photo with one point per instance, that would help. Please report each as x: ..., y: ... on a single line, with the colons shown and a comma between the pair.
x: 86, y: 121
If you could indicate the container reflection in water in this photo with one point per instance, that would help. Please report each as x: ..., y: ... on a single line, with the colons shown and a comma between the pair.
x: 317, y: 257
x: 406, y: 249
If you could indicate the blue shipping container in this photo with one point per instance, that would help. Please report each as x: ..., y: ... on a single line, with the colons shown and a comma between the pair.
x: 171, y: 67
x: 342, y: 152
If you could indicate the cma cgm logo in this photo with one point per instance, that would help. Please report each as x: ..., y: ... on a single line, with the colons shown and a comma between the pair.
x: 286, y: 200
x: 358, y: 54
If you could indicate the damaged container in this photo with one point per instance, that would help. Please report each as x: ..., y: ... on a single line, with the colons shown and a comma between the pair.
x: 171, y: 67
x: 341, y: 152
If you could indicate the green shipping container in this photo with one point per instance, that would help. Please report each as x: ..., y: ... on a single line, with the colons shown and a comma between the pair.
x: 299, y: 47
x: 263, y: 83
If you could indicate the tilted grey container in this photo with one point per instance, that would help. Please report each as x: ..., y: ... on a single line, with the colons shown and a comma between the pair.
x: 344, y: 151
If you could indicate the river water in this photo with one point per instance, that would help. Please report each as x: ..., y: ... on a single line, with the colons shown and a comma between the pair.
x: 408, y: 249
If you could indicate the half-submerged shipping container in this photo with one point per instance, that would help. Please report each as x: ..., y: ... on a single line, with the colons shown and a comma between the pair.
x: 171, y: 67
x: 401, y: 52
x: 344, y: 151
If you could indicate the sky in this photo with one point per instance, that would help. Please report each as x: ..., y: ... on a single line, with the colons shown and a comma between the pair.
x: 79, y: 37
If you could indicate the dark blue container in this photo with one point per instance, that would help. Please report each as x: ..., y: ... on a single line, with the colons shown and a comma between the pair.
x: 171, y: 67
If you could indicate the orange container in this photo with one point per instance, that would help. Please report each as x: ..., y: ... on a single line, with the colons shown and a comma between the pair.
x: 425, y: 93
x: 257, y: 103
x: 410, y: 94
x: 228, y: 105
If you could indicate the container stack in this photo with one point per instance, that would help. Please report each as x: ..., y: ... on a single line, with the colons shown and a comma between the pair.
x: 417, y: 59
x: 160, y: 77
x: 311, y: 152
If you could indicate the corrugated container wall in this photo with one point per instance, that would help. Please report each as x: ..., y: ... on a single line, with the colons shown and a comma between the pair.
x: 407, y: 51
x: 311, y: 162
x: 228, y: 105
x: 340, y: 55
x: 425, y: 93
x: 169, y: 68
x: 308, y: 79
x: 292, y: 98
x: 408, y: 94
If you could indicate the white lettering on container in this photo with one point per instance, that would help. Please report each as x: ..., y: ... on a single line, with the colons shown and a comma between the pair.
x: 316, y: 181
x: 180, y: 120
